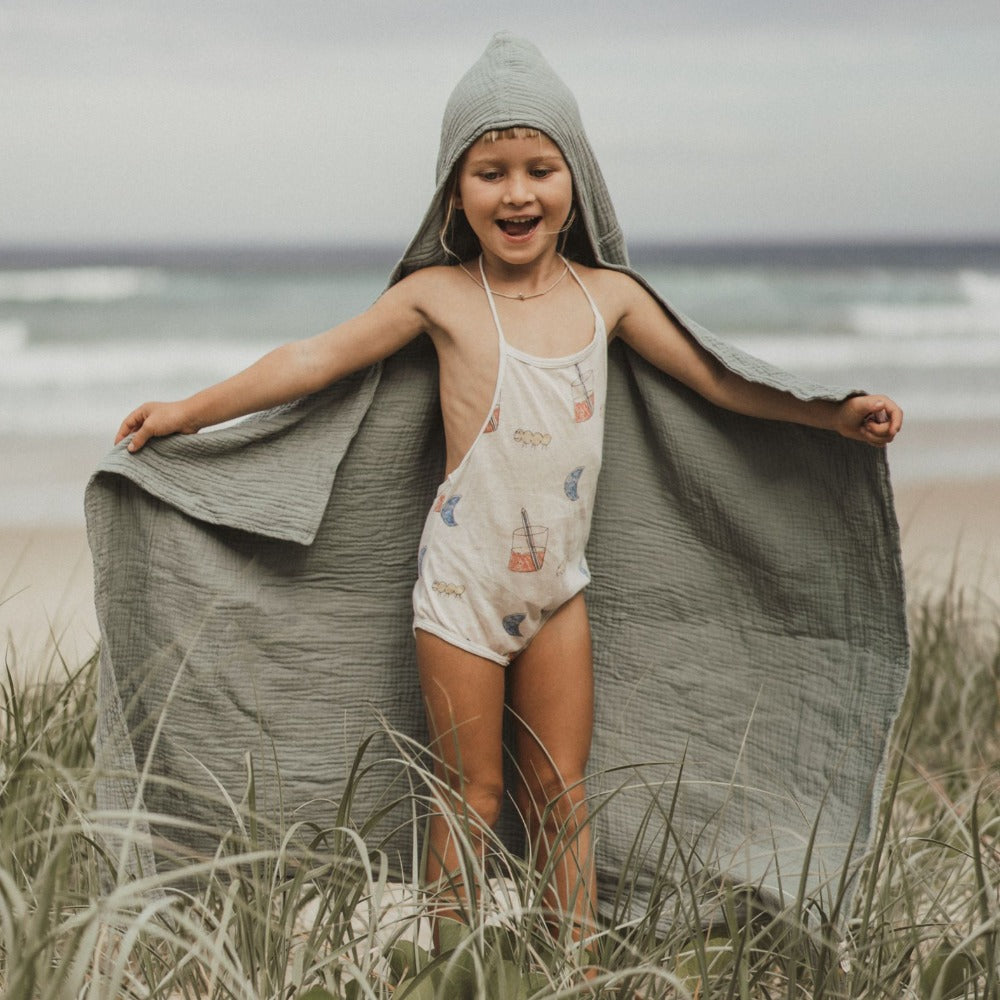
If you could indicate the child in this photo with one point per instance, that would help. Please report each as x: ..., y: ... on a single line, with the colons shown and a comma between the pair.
x: 520, y: 297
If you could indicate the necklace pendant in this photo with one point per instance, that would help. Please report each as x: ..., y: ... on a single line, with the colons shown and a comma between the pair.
x: 519, y: 296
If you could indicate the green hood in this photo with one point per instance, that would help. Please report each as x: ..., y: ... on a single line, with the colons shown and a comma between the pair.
x: 512, y: 84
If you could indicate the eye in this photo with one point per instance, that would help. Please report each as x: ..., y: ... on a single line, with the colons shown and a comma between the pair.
x: 489, y: 175
x: 541, y: 171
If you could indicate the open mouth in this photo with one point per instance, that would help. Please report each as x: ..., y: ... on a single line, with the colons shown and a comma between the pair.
x: 519, y: 227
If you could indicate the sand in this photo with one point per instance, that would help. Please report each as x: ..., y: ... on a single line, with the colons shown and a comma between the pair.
x: 951, y: 536
x: 46, y: 598
x: 950, y: 530
x: 46, y: 578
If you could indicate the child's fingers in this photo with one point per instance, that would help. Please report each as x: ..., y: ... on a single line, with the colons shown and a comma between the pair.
x: 874, y: 409
x: 152, y: 420
x: 128, y: 425
x: 888, y: 419
x: 895, y: 419
x: 140, y: 437
x: 135, y: 424
x: 879, y: 438
x: 882, y: 431
x: 883, y: 416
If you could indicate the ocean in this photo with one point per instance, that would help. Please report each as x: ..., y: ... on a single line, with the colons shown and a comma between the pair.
x: 88, y: 333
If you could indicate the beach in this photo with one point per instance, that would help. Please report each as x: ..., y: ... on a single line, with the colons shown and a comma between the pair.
x: 950, y: 528
x: 87, y: 333
x: 46, y: 577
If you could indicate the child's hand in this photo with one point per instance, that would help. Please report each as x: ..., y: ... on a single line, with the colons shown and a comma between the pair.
x: 154, y: 420
x: 876, y: 420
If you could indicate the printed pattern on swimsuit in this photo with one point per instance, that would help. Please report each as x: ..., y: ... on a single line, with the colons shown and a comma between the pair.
x: 503, y: 544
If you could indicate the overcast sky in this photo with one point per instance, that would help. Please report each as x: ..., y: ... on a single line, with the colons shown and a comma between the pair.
x: 317, y: 120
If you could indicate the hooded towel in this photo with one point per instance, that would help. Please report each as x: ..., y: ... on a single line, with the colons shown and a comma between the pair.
x: 253, y: 589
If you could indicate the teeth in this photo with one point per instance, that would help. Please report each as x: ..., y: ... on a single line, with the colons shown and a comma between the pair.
x: 522, y: 222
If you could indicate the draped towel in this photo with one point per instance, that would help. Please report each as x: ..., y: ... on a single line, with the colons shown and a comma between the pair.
x: 253, y: 590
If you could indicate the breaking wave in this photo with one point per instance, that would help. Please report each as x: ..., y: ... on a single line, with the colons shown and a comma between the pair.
x: 80, y: 284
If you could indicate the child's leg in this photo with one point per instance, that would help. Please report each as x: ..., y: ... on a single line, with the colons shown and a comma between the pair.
x: 464, y: 696
x: 552, y: 696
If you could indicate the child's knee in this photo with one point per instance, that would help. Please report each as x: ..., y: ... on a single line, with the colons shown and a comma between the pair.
x: 551, y: 793
x: 480, y: 798
x: 484, y: 799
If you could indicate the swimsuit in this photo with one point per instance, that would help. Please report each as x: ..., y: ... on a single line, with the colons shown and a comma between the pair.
x: 503, y: 544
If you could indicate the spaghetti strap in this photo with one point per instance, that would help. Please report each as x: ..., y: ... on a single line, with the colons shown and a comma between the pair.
x: 493, y: 306
x: 598, y: 316
x: 593, y: 305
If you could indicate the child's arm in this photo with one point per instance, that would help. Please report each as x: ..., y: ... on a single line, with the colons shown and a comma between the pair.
x: 288, y: 372
x: 645, y: 327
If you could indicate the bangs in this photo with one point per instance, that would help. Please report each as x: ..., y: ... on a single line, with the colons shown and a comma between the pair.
x: 514, y: 132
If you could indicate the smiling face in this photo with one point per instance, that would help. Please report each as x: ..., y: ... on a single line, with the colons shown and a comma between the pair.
x: 516, y: 193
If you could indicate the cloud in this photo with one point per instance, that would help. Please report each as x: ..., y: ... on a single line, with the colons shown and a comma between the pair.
x: 318, y: 120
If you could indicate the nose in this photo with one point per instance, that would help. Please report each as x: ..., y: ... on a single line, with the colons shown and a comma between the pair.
x: 519, y: 190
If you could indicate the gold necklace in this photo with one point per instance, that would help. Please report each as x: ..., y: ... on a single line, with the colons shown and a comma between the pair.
x: 519, y: 296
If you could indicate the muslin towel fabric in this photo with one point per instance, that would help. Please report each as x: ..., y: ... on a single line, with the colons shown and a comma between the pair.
x: 253, y: 590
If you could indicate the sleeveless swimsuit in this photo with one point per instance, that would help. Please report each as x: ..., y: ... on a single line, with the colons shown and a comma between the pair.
x: 503, y: 544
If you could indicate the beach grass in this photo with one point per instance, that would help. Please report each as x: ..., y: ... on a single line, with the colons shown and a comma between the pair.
x: 306, y: 914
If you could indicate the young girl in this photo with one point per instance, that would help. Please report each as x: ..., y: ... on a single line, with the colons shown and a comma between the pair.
x: 518, y: 278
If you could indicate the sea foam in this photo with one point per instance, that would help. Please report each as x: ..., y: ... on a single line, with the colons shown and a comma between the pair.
x: 975, y: 311
x: 13, y: 337
x: 825, y: 352
x: 114, y: 362
x: 80, y: 284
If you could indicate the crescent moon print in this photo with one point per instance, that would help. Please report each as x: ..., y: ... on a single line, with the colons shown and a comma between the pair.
x: 572, y: 484
x: 512, y: 624
x: 448, y: 510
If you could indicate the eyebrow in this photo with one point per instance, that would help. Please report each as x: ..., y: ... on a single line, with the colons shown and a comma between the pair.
x: 483, y: 159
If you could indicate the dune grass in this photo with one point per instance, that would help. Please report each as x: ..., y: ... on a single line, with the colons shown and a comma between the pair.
x: 317, y: 914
